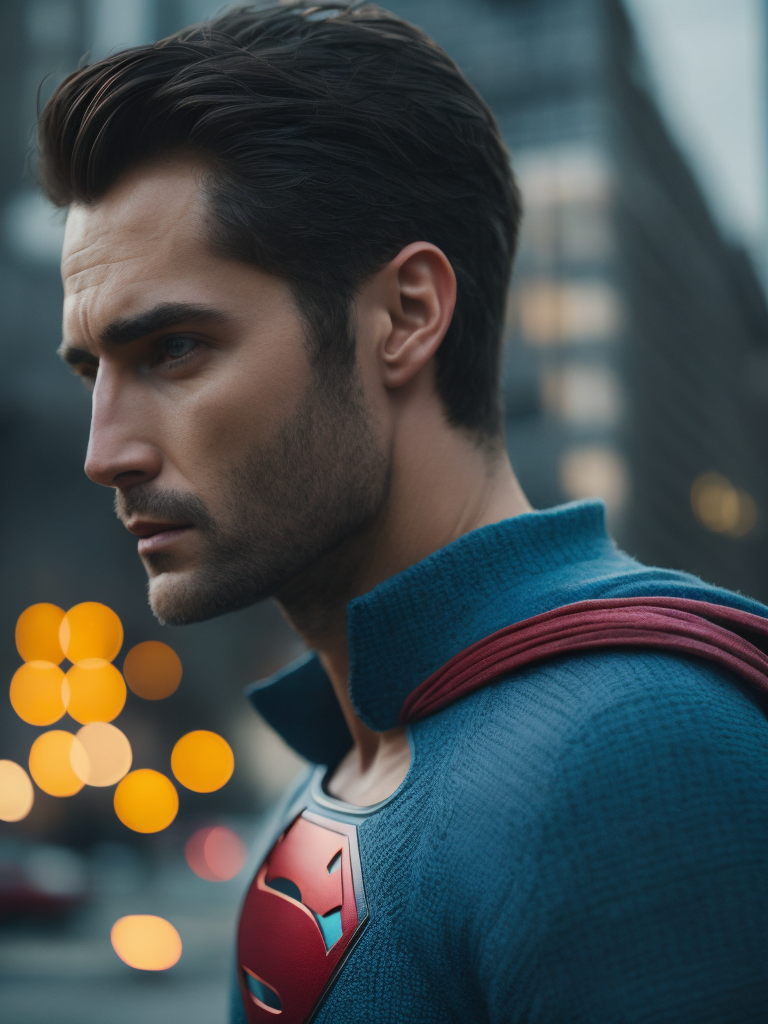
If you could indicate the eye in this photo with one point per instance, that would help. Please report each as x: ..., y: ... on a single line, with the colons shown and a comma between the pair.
x: 88, y: 378
x: 177, y: 346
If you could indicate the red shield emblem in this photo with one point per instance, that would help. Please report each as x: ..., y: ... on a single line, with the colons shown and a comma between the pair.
x: 298, y: 920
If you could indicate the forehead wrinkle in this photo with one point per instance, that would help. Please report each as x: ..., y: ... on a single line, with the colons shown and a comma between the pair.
x: 73, y: 257
x: 153, y: 252
x: 76, y: 324
x: 136, y: 234
x: 135, y: 242
x: 93, y: 276
x: 91, y: 304
x: 135, y: 238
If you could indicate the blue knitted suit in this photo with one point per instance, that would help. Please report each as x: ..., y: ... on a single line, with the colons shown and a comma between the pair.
x: 585, y: 842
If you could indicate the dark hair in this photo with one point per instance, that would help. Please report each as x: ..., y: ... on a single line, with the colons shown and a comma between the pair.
x: 336, y: 134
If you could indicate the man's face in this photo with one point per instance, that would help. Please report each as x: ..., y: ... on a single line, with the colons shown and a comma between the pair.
x: 233, y: 462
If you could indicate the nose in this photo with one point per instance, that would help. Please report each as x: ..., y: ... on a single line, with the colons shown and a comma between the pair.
x: 121, y: 452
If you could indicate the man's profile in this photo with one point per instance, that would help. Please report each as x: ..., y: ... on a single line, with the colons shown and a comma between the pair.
x: 543, y: 792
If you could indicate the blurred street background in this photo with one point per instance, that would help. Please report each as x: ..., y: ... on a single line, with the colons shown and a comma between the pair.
x: 636, y: 370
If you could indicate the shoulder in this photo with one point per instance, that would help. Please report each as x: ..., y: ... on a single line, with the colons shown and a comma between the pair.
x: 662, y: 758
x: 612, y: 740
x: 650, y: 717
x: 611, y: 806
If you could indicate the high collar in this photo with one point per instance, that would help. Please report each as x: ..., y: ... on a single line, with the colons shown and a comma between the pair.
x: 411, y: 624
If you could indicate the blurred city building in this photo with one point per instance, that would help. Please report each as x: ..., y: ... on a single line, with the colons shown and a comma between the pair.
x: 637, y: 347
x: 636, y: 370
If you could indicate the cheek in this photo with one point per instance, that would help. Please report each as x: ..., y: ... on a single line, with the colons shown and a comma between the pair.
x: 241, y: 403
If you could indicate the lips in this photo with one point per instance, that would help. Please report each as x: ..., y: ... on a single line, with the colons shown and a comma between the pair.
x: 154, y: 535
x: 145, y: 528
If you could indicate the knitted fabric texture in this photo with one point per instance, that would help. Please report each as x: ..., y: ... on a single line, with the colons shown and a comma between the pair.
x: 584, y: 841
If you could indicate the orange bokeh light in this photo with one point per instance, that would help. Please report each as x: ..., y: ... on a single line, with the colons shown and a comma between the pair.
x: 37, y: 633
x: 202, y: 761
x: 91, y: 630
x: 16, y: 792
x: 215, y: 854
x: 50, y: 763
x: 152, y: 670
x: 36, y: 693
x: 146, y: 942
x: 94, y: 691
x: 146, y: 801
x: 103, y: 755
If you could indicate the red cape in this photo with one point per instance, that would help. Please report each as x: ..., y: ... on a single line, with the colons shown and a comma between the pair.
x: 733, y: 639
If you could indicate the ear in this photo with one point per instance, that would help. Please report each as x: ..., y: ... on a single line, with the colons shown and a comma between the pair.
x: 421, y: 296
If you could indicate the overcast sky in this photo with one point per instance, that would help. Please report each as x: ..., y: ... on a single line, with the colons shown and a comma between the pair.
x: 707, y: 62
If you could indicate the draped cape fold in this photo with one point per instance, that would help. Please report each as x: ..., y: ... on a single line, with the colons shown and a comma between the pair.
x: 729, y: 637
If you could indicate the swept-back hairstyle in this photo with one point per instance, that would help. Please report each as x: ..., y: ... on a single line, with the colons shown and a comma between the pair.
x: 334, y: 135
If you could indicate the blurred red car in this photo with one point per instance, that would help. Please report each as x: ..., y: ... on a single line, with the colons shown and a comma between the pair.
x: 41, y: 880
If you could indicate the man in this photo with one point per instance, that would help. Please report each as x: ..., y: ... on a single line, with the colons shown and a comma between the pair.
x: 288, y: 245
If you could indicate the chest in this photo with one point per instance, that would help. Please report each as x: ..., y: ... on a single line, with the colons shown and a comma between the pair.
x: 327, y: 925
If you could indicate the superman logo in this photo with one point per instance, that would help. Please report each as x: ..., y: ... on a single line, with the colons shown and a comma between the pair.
x: 299, y: 917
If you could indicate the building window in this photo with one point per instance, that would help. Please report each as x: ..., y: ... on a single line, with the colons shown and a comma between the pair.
x: 583, y: 394
x: 569, y: 174
x: 595, y: 471
x: 722, y: 508
x: 567, y: 200
x: 574, y: 312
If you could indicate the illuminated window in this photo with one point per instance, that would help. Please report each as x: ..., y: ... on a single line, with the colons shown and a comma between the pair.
x: 570, y: 232
x: 572, y: 312
x: 567, y: 197
x: 539, y: 241
x: 582, y: 394
x: 722, y: 508
x: 595, y: 471
x: 568, y: 174
x: 584, y: 232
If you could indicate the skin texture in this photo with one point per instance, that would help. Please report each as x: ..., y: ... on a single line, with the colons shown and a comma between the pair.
x: 248, y: 475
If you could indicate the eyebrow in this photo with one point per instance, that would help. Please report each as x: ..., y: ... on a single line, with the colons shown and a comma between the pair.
x: 125, y: 330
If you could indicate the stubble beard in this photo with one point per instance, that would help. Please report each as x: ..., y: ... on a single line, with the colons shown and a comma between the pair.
x: 292, y: 504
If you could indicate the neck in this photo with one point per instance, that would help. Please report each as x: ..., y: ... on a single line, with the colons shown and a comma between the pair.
x: 444, y: 489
